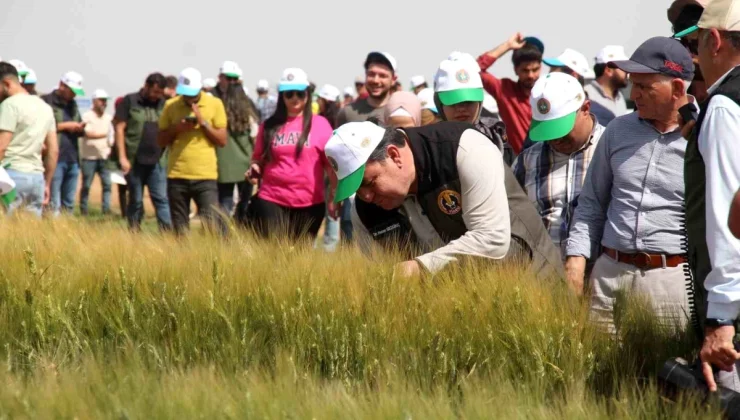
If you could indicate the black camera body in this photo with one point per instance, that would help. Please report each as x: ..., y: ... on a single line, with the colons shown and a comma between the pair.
x: 679, y: 377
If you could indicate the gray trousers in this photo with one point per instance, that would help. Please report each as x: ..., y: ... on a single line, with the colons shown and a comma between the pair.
x: 665, y: 289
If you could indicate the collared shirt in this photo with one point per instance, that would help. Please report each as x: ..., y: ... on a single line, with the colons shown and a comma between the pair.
x: 553, y: 180
x: 512, y: 100
x: 617, y: 105
x: 266, y: 107
x: 632, y: 200
x: 718, y: 148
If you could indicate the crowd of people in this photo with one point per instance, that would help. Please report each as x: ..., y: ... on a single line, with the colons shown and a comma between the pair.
x: 568, y: 177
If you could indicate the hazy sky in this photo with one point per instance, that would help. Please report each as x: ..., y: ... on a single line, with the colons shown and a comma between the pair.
x: 115, y: 44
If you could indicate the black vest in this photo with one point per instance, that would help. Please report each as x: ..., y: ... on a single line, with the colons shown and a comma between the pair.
x: 696, y: 226
x: 439, y: 193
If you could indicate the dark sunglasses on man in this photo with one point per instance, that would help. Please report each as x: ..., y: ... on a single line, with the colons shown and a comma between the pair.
x: 301, y: 94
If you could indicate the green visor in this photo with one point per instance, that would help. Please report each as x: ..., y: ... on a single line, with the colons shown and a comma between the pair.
x: 452, y: 97
x: 552, y: 129
x: 689, y: 30
x: 349, y: 185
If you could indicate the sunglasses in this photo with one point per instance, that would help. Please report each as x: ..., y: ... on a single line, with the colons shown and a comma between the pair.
x: 301, y: 94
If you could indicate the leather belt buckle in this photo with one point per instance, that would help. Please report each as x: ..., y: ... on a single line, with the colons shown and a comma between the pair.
x: 642, y: 261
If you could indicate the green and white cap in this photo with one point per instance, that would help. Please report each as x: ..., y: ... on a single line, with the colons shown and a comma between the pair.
x: 458, y: 80
x: 348, y: 150
x: 555, y: 101
x: 73, y: 80
x: 7, y: 188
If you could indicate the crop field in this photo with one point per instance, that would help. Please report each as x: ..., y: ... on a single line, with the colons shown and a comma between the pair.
x: 97, y: 322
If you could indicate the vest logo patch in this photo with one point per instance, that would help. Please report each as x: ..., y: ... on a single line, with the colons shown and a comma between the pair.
x: 449, y: 202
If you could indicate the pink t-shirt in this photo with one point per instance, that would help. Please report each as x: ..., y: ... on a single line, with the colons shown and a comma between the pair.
x: 293, y: 182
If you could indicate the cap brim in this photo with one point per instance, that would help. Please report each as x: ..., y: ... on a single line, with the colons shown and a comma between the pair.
x: 452, y: 97
x: 78, y: 91
x: 236, y: 75
x: 349, y: 185
x: 287, y: 87
x: 687, y: 31
x: 553, y: 62
x: 552, y: 129
x: 630, y: 66
x: 187, y: 90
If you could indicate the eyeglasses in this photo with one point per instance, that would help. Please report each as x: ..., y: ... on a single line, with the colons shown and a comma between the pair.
x: 301, y: 94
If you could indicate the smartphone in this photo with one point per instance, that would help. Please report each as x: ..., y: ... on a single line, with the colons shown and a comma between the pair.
x: 191, y: 120
x: 688, y: 112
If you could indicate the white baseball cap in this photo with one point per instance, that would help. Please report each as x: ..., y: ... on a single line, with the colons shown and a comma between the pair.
x: 329, y: 92
x: 555, y: 100
x: 73, y: 80
x: 230, y: 69
x: 458, y: 80
x: 293, y: 79
x: 189, y: 83
x: 347, y: 152
x: 30, y: 78
x: 611, y: 53
x: 263, y: 84
x: 209, y: 82
x: 100, y: 94
x: 574, y: 60
x: 381, y: 57
x: 349, y: 91
x: 426, y: 97
x: 417, y: 81
x: 20, y: 67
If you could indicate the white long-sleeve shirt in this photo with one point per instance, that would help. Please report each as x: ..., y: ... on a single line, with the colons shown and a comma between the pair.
x: 485, y: 209
x: 718, y: 147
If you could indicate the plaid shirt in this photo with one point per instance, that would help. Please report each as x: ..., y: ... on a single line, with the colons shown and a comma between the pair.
x: 266, y: 107
x: 554, y: 180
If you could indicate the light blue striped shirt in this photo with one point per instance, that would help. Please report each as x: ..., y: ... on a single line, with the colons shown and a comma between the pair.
x: 633, y: 198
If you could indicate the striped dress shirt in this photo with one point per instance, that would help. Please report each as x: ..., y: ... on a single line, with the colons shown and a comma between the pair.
x: 553, y: 180
x: 633, y: 197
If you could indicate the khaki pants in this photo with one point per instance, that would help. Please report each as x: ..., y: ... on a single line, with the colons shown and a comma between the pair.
x: 665, y: 288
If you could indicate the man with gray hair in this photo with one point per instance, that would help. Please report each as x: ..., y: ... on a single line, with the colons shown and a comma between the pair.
x: 632, y: 200
x: 713, y: 177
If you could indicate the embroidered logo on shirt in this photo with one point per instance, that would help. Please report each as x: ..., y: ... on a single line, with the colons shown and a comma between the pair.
x: 449, y: 202
x: 462, y: 76
x: 543, y: 106
x: 333, y: 163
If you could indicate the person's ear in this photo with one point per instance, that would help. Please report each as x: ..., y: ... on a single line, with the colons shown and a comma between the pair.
x: 586, y: 107
x: 678, y: 88
x: 715, y: 41
x: 394, y: 154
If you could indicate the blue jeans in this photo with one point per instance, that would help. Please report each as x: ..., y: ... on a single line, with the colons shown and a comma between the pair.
x: 29, y: 189
x: 64, y: 186
x: 155, y: 179
x: 89, y: 169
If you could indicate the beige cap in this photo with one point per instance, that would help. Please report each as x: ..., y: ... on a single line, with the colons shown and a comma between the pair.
x: 721, y: 14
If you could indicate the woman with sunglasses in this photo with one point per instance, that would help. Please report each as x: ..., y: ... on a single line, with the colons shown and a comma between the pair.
x: 289, y: 164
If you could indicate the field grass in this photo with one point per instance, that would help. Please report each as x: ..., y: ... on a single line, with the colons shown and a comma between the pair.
x: 96, y: 322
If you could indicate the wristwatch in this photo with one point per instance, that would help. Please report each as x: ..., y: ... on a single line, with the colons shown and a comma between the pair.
x: 714, y: 322
x: 205, y: 124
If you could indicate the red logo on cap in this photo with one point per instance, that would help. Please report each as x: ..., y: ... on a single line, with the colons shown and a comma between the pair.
x: 670, y: 65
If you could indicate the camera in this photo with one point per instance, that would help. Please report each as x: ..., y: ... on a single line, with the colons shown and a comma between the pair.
x: 677, y: 377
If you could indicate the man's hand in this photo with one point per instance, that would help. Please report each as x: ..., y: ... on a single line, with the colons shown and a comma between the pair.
x: 719, y: 351
x: 47, y: 194
x: 408, y: 269
x: 183, y: 127
x: 125, y: 164
x: 197, y: 113
x: 80, y: 127
x: 575, y: 271
x: 516, y: 41
x: 686, y: 128
x: 334, y: 209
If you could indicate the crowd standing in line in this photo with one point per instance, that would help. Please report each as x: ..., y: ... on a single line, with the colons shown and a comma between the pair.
x: 558, y: 171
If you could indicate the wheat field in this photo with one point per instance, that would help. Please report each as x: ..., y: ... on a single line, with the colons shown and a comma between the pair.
x: 97, y: 322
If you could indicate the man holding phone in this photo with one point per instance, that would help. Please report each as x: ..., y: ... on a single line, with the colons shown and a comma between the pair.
x: 192, y: 125
x: 69, y: 129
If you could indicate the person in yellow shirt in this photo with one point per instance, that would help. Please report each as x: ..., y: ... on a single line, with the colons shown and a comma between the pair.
x: 191, y: 126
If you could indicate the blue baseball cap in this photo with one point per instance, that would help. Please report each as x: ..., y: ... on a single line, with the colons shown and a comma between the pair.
x: 536, y: 42
x: 659, y: 55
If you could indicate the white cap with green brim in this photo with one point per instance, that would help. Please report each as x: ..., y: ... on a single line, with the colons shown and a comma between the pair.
x: 73, y: 80
x: 555, y: 101
x: 348, y: 150
x: 7, y: 188
x: 458, y: 80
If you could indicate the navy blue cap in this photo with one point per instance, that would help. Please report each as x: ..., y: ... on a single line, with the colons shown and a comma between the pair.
x: 659, y: 55
x: 536, y: 42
